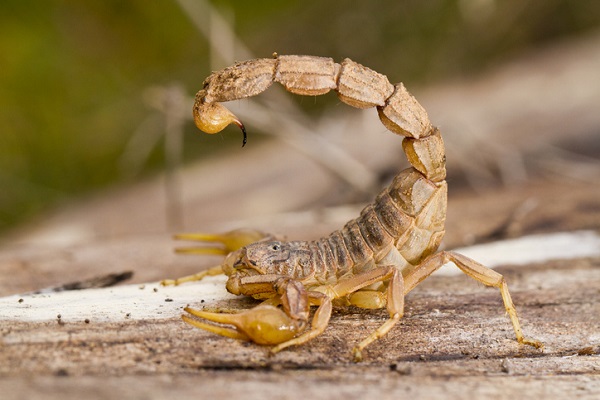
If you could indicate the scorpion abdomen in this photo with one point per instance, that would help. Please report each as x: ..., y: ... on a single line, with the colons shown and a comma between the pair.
x: 405, y: 224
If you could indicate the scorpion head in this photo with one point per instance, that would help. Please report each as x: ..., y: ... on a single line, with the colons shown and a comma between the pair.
x: 251, y: 269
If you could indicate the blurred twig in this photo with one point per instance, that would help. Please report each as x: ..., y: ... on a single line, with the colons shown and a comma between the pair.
x: 289, y: 123
x: 172, y: 103
x: 175, y: 102
x: 293, y: 129
x: 561, y: 163
x: 225, y: 45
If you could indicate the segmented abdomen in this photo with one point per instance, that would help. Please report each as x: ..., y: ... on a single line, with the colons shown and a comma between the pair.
x: 401, y: 227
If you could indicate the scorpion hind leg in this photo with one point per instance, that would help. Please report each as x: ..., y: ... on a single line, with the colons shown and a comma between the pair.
x: 263, y: 324
x: 481, y: 274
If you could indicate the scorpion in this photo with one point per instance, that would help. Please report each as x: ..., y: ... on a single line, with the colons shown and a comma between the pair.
x: 375, y: 260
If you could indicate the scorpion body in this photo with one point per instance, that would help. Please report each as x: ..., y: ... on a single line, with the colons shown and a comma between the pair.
x: 375, y: 259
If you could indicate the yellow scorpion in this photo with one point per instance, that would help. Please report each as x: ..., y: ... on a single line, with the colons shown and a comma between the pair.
x: 375, y: 259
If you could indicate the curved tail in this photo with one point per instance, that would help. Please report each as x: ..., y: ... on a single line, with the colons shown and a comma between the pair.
x: 355, y: 84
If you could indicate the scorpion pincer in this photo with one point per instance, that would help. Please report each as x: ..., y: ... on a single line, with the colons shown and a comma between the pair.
x: 375, y: 259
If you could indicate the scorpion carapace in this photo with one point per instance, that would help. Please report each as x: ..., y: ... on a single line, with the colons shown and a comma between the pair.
x: 375, y: 259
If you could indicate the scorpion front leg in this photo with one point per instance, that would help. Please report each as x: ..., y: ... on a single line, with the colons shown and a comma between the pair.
x: 267, y: 324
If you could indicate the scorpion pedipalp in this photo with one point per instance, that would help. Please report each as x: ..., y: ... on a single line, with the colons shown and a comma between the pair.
x: 225, y: 244
x: 220, y: 243
x: 263, y: 324
x: 266, y: 323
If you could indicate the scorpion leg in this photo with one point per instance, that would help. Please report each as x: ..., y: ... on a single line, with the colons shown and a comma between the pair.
x: 218, y: 270
x: 368, y: 299
x: 476, y: 271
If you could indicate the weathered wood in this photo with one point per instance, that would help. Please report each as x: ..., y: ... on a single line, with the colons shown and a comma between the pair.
x: 454, y: 336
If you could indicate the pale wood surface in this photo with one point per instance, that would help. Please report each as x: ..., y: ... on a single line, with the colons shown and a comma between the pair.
x: 454, y: 339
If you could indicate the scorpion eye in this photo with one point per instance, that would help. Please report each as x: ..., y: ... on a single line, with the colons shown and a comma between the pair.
x: 276, y: 247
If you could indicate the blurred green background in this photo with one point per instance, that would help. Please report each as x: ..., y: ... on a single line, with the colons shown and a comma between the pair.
x: 75, y: 75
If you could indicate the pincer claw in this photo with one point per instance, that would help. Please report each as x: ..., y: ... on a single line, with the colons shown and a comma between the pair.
x: 264, y: 324
x: 224, y: 243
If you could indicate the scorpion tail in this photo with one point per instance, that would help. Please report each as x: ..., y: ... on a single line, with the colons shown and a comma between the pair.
x: 214, y: 117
